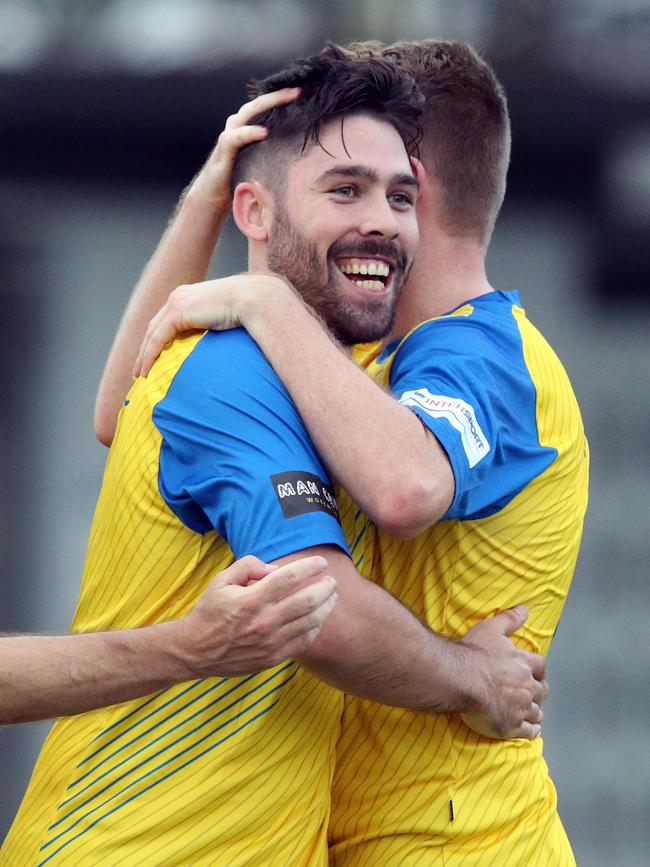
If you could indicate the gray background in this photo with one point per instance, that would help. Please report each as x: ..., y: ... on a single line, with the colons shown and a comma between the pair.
x: 109, y: 107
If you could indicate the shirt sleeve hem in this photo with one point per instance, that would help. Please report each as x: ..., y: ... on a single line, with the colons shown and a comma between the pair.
x: 295, y: 544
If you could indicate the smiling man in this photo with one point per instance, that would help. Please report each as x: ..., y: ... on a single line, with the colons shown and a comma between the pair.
x: 356, y: 219
x: 210, y: 461
x: 348, y: 266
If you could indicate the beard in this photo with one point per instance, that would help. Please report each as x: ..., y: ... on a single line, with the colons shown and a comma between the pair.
x: 316, y: 279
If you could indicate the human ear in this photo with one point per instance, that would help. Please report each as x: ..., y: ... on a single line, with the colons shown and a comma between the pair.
x: 418, y: 170
x: 429, y: 192
x: 252, y: 209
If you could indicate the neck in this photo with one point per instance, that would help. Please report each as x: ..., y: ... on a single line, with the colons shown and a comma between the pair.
x: 257, y: 263
x: 448, y: 272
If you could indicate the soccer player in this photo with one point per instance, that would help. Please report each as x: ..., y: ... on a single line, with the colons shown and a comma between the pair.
x: 496, y: 488
x: 238, y: 770
x: 250, y: 618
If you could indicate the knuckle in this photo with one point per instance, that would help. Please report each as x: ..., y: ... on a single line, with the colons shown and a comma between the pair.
x: 291, y: 575
x: 309, y: 599
x: 249, y: 608
x: 265, y: 630
x: 176, y: 297
x: 313, y: 621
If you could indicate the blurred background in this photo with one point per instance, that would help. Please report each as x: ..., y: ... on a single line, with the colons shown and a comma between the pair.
x: 107, y: 109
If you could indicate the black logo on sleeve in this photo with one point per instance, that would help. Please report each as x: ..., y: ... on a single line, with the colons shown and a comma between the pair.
x: 301, y: 492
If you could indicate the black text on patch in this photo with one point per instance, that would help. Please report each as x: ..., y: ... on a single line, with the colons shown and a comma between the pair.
x: 299, y: 492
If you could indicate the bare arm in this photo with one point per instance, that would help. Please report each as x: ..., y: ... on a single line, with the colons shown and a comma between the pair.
x: 370, y: 646
x: 374, y: 647
x: 184, y: 252
x: 238, y: 627
x: 183, y: 255
x: 375, y: 447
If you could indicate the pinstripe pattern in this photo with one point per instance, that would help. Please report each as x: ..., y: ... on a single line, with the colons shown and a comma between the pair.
x: 219, y: 771
x: 401, y: 776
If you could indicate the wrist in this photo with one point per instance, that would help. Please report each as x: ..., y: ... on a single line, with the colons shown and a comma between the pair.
x: 197, y: 645
x: 171, y: 649
x: 458, y: 685
x: 200, y: 196
x: 265, y: 297
x: 474, y: 680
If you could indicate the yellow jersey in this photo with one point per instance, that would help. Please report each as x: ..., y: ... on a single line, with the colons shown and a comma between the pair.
x: 411, y: 788
x: 210, y: 460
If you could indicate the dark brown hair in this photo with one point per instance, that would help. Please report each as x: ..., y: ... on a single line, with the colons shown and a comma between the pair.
x: 466, y: 141
x: 333, y: 85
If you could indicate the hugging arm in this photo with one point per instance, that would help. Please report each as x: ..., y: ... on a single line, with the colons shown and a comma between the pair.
x: 227, y: 409
x: 375, y: 447
x: 183, y: 254
x: 372, y: 646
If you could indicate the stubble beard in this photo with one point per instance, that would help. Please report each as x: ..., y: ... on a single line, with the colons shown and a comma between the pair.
x: 298, y: 260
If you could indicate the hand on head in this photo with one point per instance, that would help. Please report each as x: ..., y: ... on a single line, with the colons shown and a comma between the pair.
x: 214, y: 180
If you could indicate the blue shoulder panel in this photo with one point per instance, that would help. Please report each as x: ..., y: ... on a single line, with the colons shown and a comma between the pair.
x: 466, y: 378
x: 236, y: 456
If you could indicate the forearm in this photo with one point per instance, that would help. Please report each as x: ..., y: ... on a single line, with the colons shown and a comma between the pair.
x: 374, y: 647
x: 396, y: 660
x: 49, y: 676
x: 183, y: 256
x: 376, y: 448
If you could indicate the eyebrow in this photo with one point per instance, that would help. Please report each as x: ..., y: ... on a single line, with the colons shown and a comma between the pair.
x: 361, y: 171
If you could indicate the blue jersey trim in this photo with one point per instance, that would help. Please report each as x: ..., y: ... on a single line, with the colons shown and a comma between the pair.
x: 230, y: 431
x: 466, y: 378
x: 171, y: 773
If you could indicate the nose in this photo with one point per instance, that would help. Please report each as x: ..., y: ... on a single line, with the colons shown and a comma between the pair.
x: 379, y: 220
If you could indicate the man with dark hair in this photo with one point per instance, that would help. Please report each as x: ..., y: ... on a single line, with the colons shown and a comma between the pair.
x: 238, y: 770
x: 496, y: 490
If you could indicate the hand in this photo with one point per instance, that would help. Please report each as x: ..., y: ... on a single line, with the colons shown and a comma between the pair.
x: 254, y: 616
x: 514, y: 686
x: 213, y: 181
x: 216, y: 304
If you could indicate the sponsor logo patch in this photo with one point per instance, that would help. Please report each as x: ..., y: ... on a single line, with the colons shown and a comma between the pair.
x: 458, y: 413
x: 299, y: 492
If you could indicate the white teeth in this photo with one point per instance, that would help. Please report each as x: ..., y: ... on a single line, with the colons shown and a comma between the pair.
x: 382, y: 269
x: 370, y: 284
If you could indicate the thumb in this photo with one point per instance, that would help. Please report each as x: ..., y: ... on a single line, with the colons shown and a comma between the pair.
x: 242, y: 571
x: 511, y: 620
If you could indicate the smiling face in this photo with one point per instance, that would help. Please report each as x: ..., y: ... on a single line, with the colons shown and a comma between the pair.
x: 345, y: 231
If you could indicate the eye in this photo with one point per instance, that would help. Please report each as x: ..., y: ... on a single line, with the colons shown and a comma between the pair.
x: 345, y: 191
x: 402, y: 200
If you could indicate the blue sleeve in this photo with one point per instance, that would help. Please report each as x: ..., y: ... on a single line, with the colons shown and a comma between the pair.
x: 236, y: 457
x: 468, y: 382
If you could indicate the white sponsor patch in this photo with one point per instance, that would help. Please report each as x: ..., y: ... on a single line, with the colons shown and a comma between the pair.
x: 460, y: 416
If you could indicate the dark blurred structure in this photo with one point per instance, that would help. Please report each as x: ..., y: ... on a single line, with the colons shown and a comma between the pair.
x: 128, y: 90
x: 108, y: 107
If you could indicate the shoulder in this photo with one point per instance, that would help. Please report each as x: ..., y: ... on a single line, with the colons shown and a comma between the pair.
x: 480, y: 327
x: 221, y: 366
x: 220, y: 352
